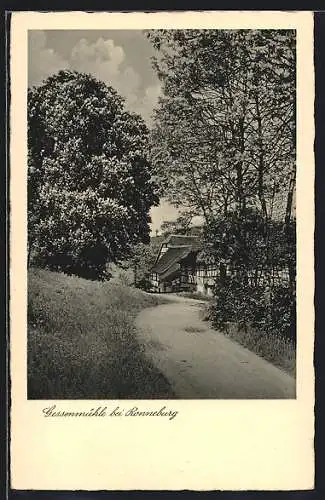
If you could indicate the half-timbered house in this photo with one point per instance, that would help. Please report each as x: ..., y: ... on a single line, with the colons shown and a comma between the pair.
x: 181, y: 266
x: 184, y: 264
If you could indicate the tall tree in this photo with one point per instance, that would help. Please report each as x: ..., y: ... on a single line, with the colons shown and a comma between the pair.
x: 226, y: 121
x: 89, y: 178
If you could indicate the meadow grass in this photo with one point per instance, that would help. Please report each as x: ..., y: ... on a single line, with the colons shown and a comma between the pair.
x: 82, y: 343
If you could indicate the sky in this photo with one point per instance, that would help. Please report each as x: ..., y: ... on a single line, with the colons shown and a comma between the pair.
x: 120, y: 58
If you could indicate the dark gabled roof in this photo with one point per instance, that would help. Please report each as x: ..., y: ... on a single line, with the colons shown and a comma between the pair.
x: 171, y: 272
x: 179, y: 241
x: 172, y: 256
x: 180, y: 247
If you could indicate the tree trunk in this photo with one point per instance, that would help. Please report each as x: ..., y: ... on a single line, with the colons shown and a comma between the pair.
x: 239, y: 193
x: 261, y: 165
x: 29, y: 252
x: 291, y: 189
x: 291, y: 263
x: 135, y: 270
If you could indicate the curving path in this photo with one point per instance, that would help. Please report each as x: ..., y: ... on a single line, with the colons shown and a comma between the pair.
x: 202, y: 363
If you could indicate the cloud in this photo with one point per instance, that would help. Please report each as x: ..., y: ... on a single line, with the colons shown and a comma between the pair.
x: 103, y: 59
x: 42, y: 61
x: 106, y: 61
x: 148, y: 102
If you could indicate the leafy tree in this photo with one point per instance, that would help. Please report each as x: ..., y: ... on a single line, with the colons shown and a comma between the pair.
x: 142, y: 259
x: 181, y: 225
x: 248, y: 243
x: 90, y: 184
x: 225, y: 127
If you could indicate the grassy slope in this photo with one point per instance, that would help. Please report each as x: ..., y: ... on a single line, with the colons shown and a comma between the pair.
x: 82, y: 342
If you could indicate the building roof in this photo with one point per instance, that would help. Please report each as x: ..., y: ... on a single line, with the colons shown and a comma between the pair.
x: 172, y: 256
x: 171, y: 272
x: 180, y: 247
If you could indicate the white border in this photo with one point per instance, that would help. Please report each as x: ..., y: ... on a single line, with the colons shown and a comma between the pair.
x: 231, y: 445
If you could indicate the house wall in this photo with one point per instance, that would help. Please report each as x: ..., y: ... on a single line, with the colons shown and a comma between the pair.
x: 195, y: 276
x: 205, y: 277
x: 154, y: 281
x: 187, y: 282
x: 191, y: 278
x: 205, y: 285
x: 200, y: 286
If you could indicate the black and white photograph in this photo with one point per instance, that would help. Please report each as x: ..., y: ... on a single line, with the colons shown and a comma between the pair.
x: 162, y: 176
x: 161, y: 214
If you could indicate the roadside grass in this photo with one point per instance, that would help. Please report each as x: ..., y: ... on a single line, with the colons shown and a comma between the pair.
x: 194, y: 329
x: 82, y: 342
x: 274, y: 348
x: 194, y: 295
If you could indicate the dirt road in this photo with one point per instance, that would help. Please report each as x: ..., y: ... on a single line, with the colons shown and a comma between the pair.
x: 202, y: 363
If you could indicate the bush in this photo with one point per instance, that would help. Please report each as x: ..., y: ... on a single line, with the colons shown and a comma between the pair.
x: 260, y: 319
x: 144, y: 284
x: 283, y: 312
x: 271, y: 309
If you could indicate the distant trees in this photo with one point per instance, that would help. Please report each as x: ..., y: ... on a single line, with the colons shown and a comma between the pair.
x: 141, y: 262
x: 90, y: 184
x: 181, y: 225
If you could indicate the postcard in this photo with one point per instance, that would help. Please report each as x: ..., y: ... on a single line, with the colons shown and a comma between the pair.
x: 162, y: 253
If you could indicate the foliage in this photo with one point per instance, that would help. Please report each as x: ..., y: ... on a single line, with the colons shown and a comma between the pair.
x: 254, y: 249
x: 178, y: 226
x: 141, y: 262
x: 263, y: 308
x: 90, y: 186
x: 224, y: 145
x: 181, y: 225
x: 224, y: 134
x: 273, y: 347
x: 251, y: 242
x: 82, y: 343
